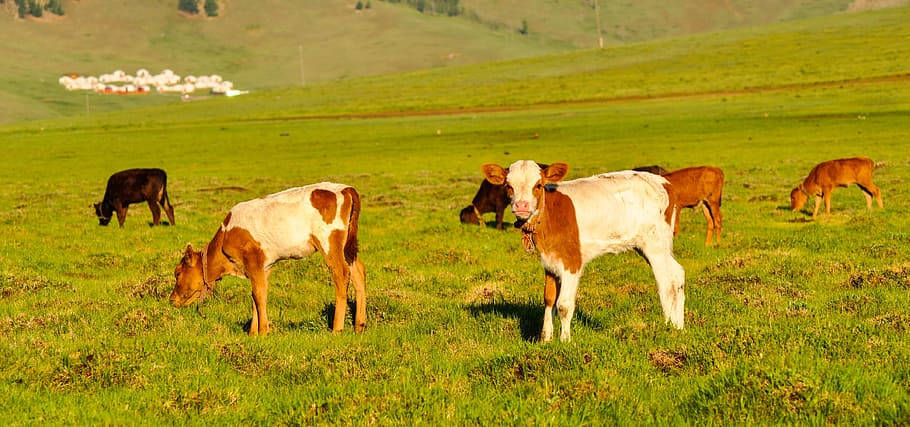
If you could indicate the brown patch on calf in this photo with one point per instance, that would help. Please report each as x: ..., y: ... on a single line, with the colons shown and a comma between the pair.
x: 556, y: 232
x: 326, y: 203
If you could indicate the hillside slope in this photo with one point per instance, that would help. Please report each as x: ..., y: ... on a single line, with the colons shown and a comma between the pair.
x: 256, y: 45
x: 259, y: 45
x: 837, y: 50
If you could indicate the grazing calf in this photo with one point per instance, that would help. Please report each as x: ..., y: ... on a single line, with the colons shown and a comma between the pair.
x: 576, y: 221
x: 655, y: 169
x: 825, y: 176
x: 690, y: 187
x: 134, y: 186
x: 489, y: 198
x: 291, y: 224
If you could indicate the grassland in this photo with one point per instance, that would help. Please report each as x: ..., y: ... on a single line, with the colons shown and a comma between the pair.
x: 788, y: 320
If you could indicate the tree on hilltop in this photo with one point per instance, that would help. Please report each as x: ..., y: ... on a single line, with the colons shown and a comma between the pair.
x: 211, y: 8
x: 189, y: 6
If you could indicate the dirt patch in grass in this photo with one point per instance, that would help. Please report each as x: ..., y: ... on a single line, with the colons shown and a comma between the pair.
x: 90, y: 368
x: 668, y: 361
x: 156, y: 287
x: 893, y: 277
x: 202, y: 401
x: 14, y: 285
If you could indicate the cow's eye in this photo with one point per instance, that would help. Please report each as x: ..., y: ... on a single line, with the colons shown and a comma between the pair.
x: 538, y: 186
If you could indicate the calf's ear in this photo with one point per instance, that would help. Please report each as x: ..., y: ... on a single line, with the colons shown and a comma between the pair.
x: 555, y: 172
x: 494, y: 173
x: 188, y: 254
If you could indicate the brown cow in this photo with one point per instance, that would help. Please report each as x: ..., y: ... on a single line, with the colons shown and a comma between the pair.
x: 489, y: 198
x: 825, y: 176
x: 690, y: 187
x: 135, y: 186
x: 287, y: 225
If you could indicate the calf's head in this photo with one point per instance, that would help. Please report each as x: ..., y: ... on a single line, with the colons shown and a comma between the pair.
x: 468, y: 215
x: 524, y: 181
x: 188, y: 274
x: 103, y: 213
x: 797, y: 198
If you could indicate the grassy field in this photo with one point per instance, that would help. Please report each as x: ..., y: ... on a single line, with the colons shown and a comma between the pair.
x: 788, y: 320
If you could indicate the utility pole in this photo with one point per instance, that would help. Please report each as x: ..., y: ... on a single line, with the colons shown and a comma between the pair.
x: 302, y: 78
x: 600, y: 37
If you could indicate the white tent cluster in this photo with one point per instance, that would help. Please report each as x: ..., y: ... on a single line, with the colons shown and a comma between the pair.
x: 166, y: 81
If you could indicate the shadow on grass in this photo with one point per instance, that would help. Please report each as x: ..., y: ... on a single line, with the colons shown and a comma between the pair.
x: 492, y: 224
x: 164, y: 223
x: 328, y: 313
x: 530, y: 317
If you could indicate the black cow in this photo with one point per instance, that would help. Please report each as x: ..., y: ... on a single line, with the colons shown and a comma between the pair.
x: 489, y: 198
x: 135, y: 186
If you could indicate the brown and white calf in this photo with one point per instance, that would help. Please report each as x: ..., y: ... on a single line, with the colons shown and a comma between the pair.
x: 691, y: 187
x: 573, y: 222
x: 287, y: 225
x: 826, y: 176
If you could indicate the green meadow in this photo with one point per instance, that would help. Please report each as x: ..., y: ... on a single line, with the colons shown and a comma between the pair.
x: 788, y: 320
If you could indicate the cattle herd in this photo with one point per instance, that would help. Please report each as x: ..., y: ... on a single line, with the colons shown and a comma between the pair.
x: 569, y: 223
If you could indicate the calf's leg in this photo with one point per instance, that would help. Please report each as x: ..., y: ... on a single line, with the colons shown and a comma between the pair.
x: 156, y: 211
x: 671, y: 279
x: 341, y: 274
x: 254, y: 323
x: 565, y: 303
x: 260, y: 301
x: 818, y: 203
x: 121, y: 215
x: 710, y: 221
x: 550, y: 292
x: 358, y: 277
x: 828, y: 201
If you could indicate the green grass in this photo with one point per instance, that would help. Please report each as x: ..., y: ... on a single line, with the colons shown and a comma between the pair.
x: 787, y: 320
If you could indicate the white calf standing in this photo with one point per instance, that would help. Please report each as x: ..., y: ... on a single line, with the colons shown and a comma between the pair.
x: 576, y: 221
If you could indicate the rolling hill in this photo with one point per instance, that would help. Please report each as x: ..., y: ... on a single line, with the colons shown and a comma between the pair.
x: 259, y: 45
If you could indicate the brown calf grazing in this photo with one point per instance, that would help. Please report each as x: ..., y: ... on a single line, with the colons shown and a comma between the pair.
x: 825, y: 176
x: 134, y: 186
x: 690, y: 187
x: 655, y: 169
x: 287, y: 225
x: 489, y: 198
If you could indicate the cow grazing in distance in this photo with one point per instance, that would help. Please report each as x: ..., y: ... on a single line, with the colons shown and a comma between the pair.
x: 655, y: 169
x: 489, y: 198
x: 287, y: 225
x: 135, y: 186
x: 572, y: 222
x: 691, y: 187
x: 826, y: 176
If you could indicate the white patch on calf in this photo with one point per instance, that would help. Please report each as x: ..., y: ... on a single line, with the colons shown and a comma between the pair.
x: 282, y: 223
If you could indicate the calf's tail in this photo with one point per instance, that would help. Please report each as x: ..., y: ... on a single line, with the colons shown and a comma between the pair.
x: 350, y: 245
